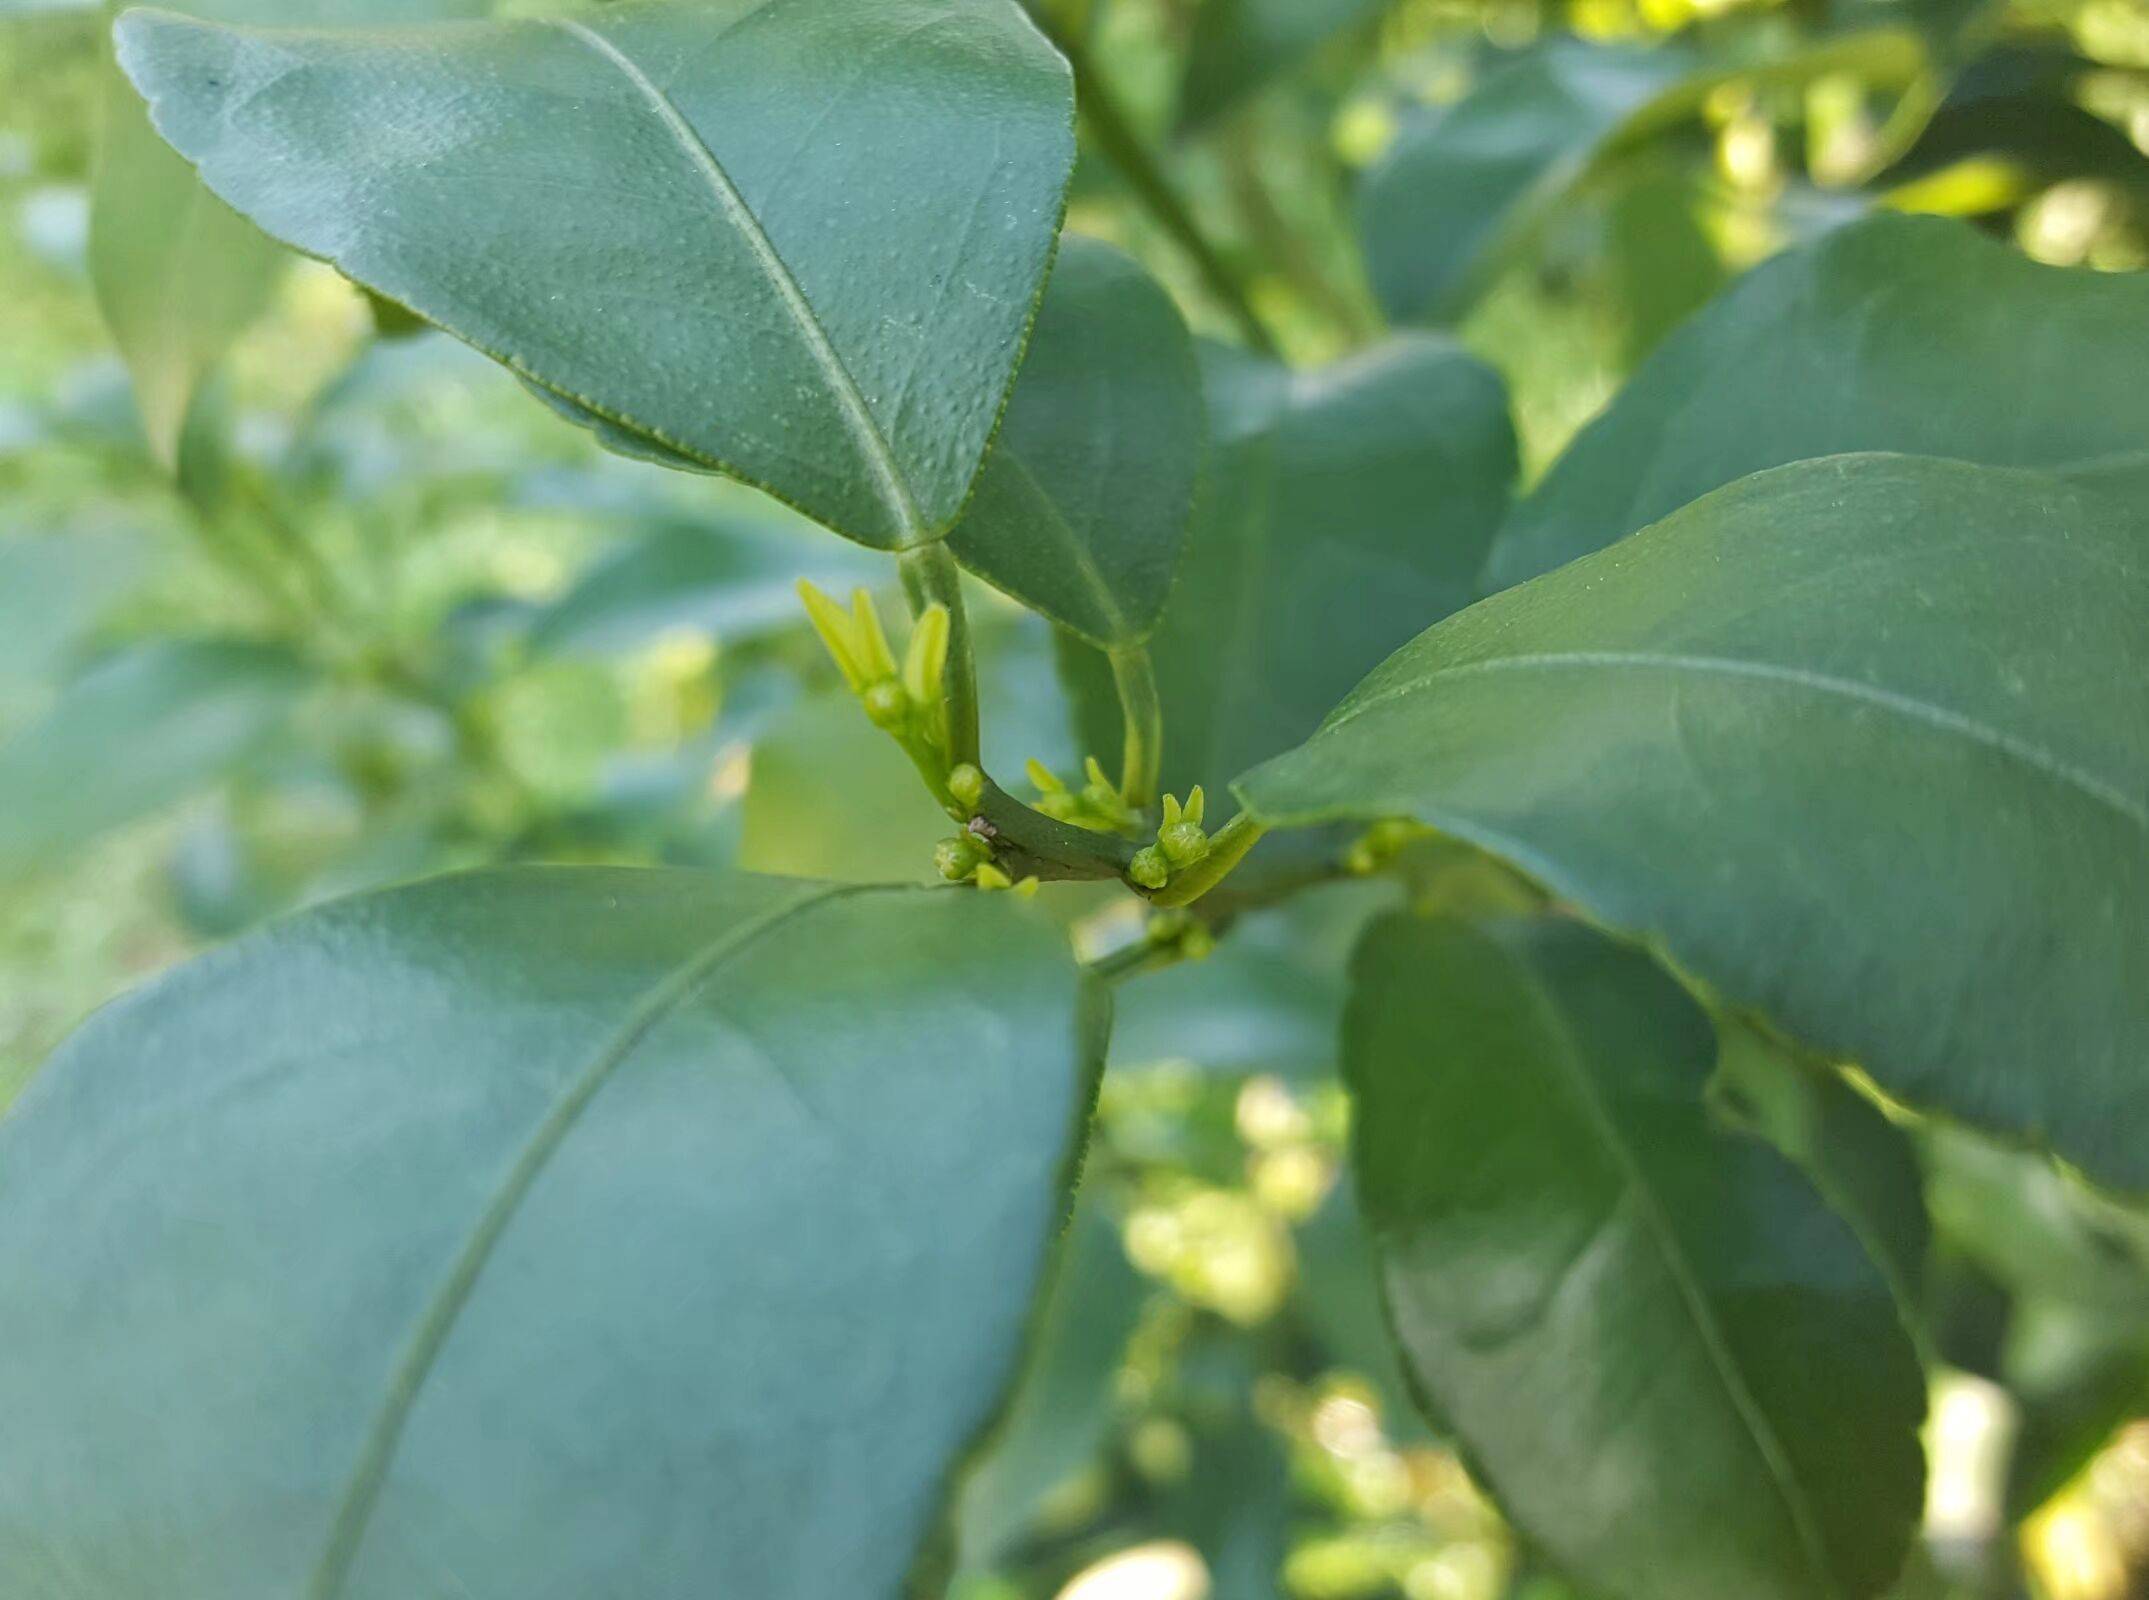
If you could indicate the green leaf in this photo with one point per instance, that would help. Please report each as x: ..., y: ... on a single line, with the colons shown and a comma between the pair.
x: 1342, y: 511
x: 1240, y: 45
x: 546, y: 1232
x: 1863, y: 744
x: 178, y: 274
x: 54, y: 588
x: 1062, y: 1411
x: 1858, y: 342
x: 1676, y: 1368
x: 1865, y: 1165
x: 144, y: 728
x: 677, y: 220
x: 733, y: 577
x: 2078, y: 1374
x: 1455, y: 198
x: 1082, y: 507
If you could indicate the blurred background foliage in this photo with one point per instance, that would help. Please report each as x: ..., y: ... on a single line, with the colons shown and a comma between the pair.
x: 385, y: 617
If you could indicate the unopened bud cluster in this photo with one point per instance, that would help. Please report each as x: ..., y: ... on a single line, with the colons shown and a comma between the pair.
x: 1180, y: 843
x: 1096, y: 806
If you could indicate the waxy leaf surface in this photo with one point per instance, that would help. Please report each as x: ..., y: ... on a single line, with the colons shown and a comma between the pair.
x: 795, y: 241
x: 1861, y: 743
x: 1343, y: 510
x: 1900, y: 333
x: 1082, y: 508
x: 548, y: 1233
x: 1670, y: 1361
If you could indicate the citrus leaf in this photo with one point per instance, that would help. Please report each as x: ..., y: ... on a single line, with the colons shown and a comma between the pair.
x: 1862, y: 743
x: 144, y: 728
x: 1343, y: 509
x: 676, y: 219
x: 1858, y: 342
x: 543, y: 1232
x: 1082, y: 507
x: 1672, y: 1363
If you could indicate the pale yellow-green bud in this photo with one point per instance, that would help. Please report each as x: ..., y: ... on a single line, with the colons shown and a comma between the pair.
x: 1150, y: 868
x: 887, y: 704
x: 966, y: 786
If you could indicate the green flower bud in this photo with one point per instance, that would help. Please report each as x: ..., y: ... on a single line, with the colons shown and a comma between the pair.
x: 959, y: 857
x: 1059, y: 805
x: 1183, y: 843
x: 887, y: 704
x: 1150, y: 868
x: 966, y: 785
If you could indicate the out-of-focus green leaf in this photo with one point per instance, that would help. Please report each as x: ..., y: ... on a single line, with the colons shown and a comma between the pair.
x: 675, y: 221
x: 53, y: 587
x: 143, y: 728
x: 1861, y: 743
x: 518, y: 1232
x: 1062, y: 1411
x: 733, y: 578
x: 831, y: 796
x: 1266, y: 1000
x: 1456, y: 197
x: 1864, y: 1164
x: 1858, y: 342
x: 1660, y: 261
x: 2078, y: 1374
x: 1240, y: 45
x: 1343, y: 510
x: 1662, y: 1350
x: 178, y: 273
x: 1081, y: 510
x: 2037, y: 1230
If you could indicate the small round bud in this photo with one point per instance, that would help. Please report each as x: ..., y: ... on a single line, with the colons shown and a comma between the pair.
x: 960, y: 856
x: 1183, y: 843
x: 967, y: 786
x: 1150, y: 868
x: 1059, y: 805
x: 887, y: 704
x: 1101, y: 798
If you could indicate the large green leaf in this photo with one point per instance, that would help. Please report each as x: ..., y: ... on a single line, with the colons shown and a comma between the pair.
x: 550, y: 1233
x: 1343, y: 511
x: 1456, y: 196
x: 1082, y: 508
x: 142, y: 729
x: 678, y: 221
x: 1862, y: 743
x: 1674, y: 1365
x: 1858, y: 342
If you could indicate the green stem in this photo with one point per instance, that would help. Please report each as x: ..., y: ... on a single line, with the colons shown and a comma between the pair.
x: 1031, y: 844
x: 930, y: 575
x: 1142, y: 713
x: 1226, y: 850
x: 1124, y: 148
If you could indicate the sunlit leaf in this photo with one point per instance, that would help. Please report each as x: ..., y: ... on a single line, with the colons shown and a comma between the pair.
x: 677, y: 221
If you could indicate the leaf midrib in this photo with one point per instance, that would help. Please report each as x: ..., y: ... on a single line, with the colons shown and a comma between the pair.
x: 2023, y: 751
x: 873, y: 445
x: 369, y: 1472
x: 1566, y: 1054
